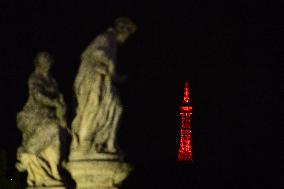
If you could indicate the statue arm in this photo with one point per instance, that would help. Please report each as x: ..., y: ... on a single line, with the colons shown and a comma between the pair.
x: 78, y: 80
x: 61, y: 110
x: 36, y: 89
x: 56, y: 100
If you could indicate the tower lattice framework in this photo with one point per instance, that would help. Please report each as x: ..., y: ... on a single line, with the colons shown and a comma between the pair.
x: 185, y: 150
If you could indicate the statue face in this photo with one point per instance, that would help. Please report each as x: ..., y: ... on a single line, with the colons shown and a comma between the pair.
x: 124, y: 27
x: 44, y: 67
x: 122, y: 37
x: 43, y: 62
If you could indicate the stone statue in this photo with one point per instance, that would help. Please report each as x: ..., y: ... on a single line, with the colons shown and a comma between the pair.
x: 93, y: 161
x: 99, y: 107
x: 94, y: 158
x: 41, y: 122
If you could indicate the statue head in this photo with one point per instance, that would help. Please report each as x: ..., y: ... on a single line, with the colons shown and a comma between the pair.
x: 43, y: 62
x: 123, y: 27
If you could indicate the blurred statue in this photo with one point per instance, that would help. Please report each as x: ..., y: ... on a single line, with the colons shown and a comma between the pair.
x: 99, y: 107
x: 95, y: 161
x: 41, y: 122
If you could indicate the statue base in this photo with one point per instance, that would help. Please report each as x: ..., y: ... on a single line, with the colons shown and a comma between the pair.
x: 47, y: 187
x: 80, y: 155
x: 98, y: 174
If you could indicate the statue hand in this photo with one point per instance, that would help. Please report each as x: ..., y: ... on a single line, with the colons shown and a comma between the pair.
x: 62, y: 102
x: 20, y: 150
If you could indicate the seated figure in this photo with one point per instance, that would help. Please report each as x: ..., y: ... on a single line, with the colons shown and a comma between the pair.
x: 41, y: 121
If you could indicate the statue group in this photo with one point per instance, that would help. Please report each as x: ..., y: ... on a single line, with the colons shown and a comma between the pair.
x: 91, y: 158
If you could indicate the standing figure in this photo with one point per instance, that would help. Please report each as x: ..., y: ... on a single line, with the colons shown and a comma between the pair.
x: 99, y: 108
x: 41, y: 122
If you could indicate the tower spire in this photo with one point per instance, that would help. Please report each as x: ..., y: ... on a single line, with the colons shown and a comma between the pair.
x: 186, y: 92
x: 185, y: 151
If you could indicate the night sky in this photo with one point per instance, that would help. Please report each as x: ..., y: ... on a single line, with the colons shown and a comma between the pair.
x: 227, y: 51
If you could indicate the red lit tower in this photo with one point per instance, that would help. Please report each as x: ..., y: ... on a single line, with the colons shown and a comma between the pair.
x: 185, y: 152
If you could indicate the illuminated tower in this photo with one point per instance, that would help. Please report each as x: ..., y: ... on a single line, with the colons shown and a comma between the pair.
x: 185, y: 152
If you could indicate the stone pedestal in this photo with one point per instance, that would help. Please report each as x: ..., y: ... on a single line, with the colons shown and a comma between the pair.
x: 98, y: 174
x: 46, y: 187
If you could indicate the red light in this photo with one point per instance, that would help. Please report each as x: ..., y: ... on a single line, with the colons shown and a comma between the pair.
x: 185, y: 152
x: 185, y: 108
x: 186, y: 93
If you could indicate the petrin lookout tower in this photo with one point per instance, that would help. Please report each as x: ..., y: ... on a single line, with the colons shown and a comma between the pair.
x: 185, y: 151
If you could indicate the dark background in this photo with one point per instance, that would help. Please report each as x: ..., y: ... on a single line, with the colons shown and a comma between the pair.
x: 227, y: 51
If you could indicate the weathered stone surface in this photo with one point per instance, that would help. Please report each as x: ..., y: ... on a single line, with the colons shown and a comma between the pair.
x: 98, y: 174
x: 94, y: 157
x: 99, y: 107
x: 46, y: 187
x: 94, y: 160
x: 42, y: 123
